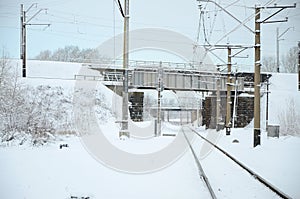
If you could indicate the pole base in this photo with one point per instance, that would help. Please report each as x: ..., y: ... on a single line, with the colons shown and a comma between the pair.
x: 256, y: 138
x: 228, y: 129
x: 124, y: 133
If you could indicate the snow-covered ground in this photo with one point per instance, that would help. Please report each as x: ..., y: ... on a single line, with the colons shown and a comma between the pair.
x: 277, y: 159
x: 50, y: 172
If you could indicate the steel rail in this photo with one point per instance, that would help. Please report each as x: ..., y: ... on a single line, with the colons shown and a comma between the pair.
x: 200, y: 169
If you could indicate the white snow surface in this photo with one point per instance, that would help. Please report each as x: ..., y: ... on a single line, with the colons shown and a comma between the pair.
x: 283, y: 87
x: 277, y: 159
x: 50, y: 172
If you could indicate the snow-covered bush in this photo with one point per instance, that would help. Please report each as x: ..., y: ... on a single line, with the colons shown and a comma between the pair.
x: 39, y: 114
x: 102, y: 109
x: 89, y: 108
x: 289, y: 119
x: 91, y: 102
x: 47, y: 110
x: 11, y: 100
x: 31, y: 113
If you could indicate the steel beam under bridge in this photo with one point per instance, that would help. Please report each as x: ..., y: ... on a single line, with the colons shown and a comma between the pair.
x: 174, y: 109
x: 173, y: 79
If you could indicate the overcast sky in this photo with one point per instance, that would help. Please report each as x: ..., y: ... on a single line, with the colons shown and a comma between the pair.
x: 88, y: 23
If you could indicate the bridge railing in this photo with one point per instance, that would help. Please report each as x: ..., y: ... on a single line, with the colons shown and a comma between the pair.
x: 118, y: 63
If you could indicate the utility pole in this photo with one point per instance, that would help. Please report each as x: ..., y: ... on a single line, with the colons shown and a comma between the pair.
x: 299, y: 66
x: 267, y: 104
x: 218, y: 103
x: 277, y: 50
x: 23, y: 41
x: 235, y: 99
x: 257, y: 64
x: 24, y: 23
x: 277, y: 46
x: 159, y: 90
x: 229, y: 84
x: 257, y: 79
x: 228, y: 99
x: 124, y: 129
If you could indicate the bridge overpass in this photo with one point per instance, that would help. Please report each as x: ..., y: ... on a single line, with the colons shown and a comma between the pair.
x: 182, y: 77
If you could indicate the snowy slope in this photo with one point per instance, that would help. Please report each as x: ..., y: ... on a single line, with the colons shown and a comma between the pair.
x: 283, y: 88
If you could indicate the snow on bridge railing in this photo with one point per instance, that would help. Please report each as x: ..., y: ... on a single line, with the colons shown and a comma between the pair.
x: 88, y: 77
x: 151, y: 64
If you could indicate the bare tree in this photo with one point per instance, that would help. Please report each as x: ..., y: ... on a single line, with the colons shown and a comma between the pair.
x: 11, y: 98
x: 289, y: 60
x: 149, y: 101
x: 66, y: 54
x: 44, y: 55
x: 268, y: 64
x: 289, y: 119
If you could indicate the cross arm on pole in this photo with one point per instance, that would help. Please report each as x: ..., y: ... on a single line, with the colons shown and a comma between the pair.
x: 38, y: 24
x: 225, y: 46
x: 281, y: 8
x: 284, y: 32
x: 240, y: 51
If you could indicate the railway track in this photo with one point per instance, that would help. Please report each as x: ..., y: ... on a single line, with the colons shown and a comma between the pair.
x: 205, y: 179
x: 200, y: 169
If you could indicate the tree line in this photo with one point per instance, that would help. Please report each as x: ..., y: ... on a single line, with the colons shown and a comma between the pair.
x: 72, y: 54
x: 288, y: 63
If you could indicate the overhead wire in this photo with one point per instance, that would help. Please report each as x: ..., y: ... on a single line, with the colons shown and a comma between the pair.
x: 58, y: 17
x: 207, y: 33
x: 204, y: 31
x: 206, y: 37
x: 63, y: 17
x: 207, y: 40
x: 120, y: 8
x: 214, y: 21
x: 199, y: 27
x: 195, y: 46
x: 241, y: 24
